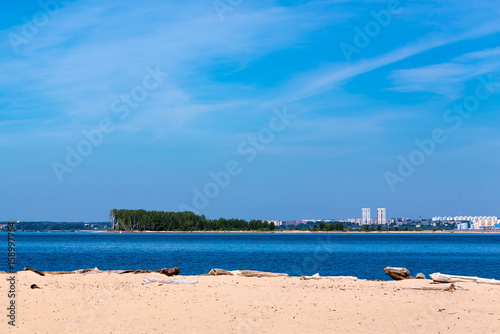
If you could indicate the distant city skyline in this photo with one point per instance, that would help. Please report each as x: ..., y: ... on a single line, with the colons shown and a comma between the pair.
x: 475, y: 222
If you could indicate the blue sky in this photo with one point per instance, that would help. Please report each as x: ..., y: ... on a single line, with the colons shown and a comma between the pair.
x: 228, y: 69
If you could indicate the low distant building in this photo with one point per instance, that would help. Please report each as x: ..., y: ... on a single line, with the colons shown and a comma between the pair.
x: 276, y: 222
x: 476, y: 222
x: 351, y: 220
x: 481, y: 221
x: 294, y: 222
x: 442, y: 218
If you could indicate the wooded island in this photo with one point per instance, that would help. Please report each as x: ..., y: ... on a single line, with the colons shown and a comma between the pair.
x: 142, y: 220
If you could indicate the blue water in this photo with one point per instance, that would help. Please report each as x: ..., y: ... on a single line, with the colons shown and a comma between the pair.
x: 361, y: 255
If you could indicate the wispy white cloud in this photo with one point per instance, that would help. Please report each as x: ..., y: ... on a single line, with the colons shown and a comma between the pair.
x: 447, y: 78
x: 91, y: 52
x: 326, y: 79
x: 483, y: 54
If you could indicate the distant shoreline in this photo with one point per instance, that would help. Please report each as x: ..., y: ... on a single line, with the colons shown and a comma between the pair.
x: 278, y: 232
x: 329, y: 232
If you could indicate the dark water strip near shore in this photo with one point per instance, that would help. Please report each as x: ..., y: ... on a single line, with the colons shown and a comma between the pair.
x: 332, y: 254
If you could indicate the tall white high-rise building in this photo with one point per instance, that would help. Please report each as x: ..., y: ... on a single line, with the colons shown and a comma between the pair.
x: 381, y: 216
x: 366, y: 216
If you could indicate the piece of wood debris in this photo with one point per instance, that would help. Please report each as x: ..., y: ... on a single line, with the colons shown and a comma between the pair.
x: 149, y: 280
x: 34, y: 270
x: 452, y: 287
x: 443, y: 278
x: 398, y: 273
x: 317, y: 276
x: 245, y: 273
x: 165, y: 271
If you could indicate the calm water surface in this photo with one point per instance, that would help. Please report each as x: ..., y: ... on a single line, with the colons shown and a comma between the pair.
x: 361, y: 255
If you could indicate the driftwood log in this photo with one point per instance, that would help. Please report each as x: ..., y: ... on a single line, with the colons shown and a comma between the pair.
x: 317, y: 277
x: 245, y: 273
x: 443, y: 278
x: 219, y: 272
x: 165, y: 271
x: 451, y: 288
x: 398, y: 273
x: 34, y: 270
x: 149, y: 280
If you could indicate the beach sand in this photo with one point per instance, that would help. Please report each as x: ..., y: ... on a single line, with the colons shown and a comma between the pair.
x: 112, y: 303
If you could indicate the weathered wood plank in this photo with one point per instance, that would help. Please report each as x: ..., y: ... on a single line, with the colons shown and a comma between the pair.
x: 443, y: 278
x: 149, y: 280
x: 245, y: 273
x: 34, y: 270
x: 165, y: 271
x: 452, y: 287
x: 317, y: 277
x: 398, y: 273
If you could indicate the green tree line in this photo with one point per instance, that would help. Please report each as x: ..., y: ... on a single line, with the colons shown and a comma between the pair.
x: 338, y: 226
x: 59, y: 226
x: 142, y: 220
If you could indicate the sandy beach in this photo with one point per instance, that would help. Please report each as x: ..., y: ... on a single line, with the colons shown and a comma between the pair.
x: 113, y: 303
